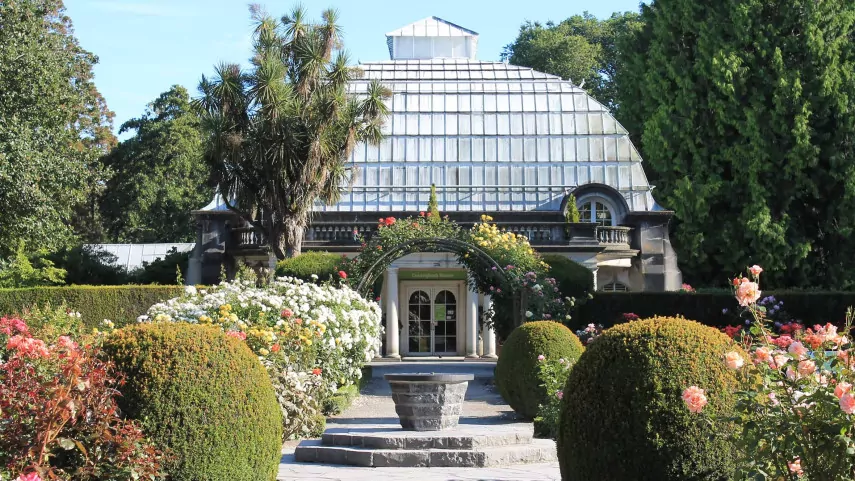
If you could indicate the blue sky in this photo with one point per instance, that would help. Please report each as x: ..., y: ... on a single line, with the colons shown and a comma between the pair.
x: 145, y: 46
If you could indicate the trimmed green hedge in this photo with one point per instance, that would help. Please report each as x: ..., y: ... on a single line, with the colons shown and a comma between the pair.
x: 574, y: 279
x: 120, y: 304
x: 323, y: 264
x: 706, y: 307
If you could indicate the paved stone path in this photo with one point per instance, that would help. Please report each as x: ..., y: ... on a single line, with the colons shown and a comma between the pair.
x: 483, y: 405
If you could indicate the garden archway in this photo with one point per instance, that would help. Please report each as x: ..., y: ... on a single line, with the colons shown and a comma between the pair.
x: 482, y: 268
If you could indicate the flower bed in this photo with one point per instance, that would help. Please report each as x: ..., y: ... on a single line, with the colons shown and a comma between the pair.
x: 59, y: 415
x: 313, y: 339
x: 797, y: 414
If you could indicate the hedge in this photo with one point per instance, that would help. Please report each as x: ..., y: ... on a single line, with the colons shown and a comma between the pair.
x: 574, y: 279
x: 322, y: 264
x: 808, y: 307
x: 120, y: 304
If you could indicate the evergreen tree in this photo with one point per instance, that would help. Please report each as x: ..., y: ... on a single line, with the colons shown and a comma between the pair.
x: 160, y: 175
x: 745, y: 110
x: 433, y: 205
x: 54, y: 125
x: 581, y: 48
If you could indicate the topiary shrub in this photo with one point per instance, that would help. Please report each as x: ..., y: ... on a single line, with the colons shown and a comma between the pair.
x: 517, y: 374
x: 203, y: 395
x: 623, y: 418
x: 322, y: 264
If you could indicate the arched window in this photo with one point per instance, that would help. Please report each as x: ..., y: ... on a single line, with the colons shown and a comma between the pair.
x: 596, y: 210
x: 615, y: 287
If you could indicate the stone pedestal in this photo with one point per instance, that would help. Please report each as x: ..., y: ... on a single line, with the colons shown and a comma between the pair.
x: 428, y: 402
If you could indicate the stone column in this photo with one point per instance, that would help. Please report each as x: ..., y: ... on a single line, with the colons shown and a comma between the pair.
x: 392, y: 328
x: 488, y: 335
x: 194, y: 268
x: 471, y: 324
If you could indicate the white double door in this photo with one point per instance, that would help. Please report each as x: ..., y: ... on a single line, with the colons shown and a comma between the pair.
x: 432, y: 314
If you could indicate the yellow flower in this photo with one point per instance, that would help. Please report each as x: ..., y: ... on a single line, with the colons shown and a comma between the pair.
x: 263, y: 351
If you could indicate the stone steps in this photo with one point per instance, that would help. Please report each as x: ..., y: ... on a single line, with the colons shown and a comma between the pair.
x: 538, y: 451
x: 464, y: 446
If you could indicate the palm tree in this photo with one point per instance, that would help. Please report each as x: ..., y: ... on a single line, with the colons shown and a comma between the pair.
x: 279, y: 135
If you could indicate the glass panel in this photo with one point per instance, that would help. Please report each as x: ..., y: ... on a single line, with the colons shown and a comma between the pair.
x: 414, y: 344
x: 439, y: 344
x: 604, y: 215
x: 439, y: 330
x: 585, y: 212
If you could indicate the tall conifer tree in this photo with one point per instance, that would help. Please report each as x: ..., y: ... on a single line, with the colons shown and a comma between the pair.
x: 745, y: 110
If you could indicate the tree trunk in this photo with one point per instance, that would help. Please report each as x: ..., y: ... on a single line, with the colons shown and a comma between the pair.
x: 287, y: 239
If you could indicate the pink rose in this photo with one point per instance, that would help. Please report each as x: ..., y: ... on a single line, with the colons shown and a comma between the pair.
x: 733, y: 360
x: 792, y: 375
x: 847, y: 403
x: 694, y: 398
x: 773, y: 399
x: 841, y: 389
x: 795, y: 466
x: 798, y: 349
x: 29, y: 477
x: 541, y: 357
x: 747, y: 293
x: 762, y: 354
x: 560, y: 394
x: 807, y: 368
x: 778, y: 361
x: 755, y: 270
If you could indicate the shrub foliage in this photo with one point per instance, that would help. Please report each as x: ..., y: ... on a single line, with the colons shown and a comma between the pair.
x: 121, y: 304
x: 517, y: 371
x: 622, y: 415
x: 324, y: 265
x: 202, y: 394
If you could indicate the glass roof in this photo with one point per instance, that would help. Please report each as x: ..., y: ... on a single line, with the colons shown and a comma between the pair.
x: 492, y: 137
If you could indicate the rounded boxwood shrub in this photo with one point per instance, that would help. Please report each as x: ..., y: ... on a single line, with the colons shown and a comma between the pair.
x: 202, y: 395
x: 517, y: 375
x: 623, y: 418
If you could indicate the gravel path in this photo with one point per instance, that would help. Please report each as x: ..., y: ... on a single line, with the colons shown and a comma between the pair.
x: 483, y: 405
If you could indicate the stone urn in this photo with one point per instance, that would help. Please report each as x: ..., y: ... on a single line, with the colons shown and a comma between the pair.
x: 428, y: 401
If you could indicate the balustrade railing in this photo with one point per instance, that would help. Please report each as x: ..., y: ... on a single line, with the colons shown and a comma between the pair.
x: 539, y: 233
x: 613, y: 235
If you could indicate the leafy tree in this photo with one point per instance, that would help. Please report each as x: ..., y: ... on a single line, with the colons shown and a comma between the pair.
x: 87, y: 265
x: 581, y: 48
x: 279, y: 135
x: 745, y: 110
x: 19, y: 270
x: 54, y: 125
x: 160, y: 175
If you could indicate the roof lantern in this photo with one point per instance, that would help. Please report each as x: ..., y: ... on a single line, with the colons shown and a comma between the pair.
x: 430, y: 38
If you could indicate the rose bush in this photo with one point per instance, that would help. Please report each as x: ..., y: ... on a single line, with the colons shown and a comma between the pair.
x: 60, y: 419
x: 797, y: 414
x: 313, y: 339
x: 554, y: 373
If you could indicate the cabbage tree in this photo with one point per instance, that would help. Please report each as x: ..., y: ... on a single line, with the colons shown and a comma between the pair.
x: 279, y: 134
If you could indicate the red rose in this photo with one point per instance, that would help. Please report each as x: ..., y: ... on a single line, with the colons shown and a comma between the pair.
x: 275, y: 348
x: 342, y: 274
x: 316, y: 371
x: 422, y: 214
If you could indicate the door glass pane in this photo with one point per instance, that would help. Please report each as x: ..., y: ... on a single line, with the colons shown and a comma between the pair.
x: 603, y: 214
x: 445, y: 311
x: 419, y: 322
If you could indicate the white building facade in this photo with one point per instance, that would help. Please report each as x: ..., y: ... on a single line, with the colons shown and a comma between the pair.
x: 494, y: 139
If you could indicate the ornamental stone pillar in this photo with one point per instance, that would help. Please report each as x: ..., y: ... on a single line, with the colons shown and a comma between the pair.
x: 471, y: 324
x: 393, y: 344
